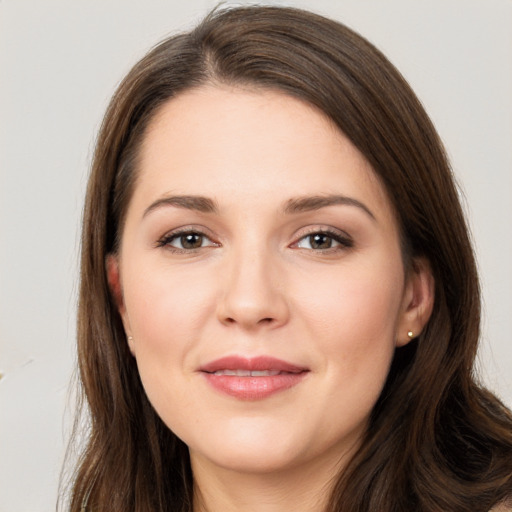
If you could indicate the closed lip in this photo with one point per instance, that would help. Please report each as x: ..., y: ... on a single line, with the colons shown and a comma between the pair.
x: 260, y: 363
x: 253, y: 378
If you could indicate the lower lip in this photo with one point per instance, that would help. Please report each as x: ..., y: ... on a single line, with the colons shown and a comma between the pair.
x: 253, y: 388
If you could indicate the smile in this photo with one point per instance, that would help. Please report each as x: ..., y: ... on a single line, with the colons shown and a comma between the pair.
x: 248, y: 373
x: 252, y: 378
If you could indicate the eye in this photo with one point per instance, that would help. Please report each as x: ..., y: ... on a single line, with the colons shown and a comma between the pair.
x: 324, y: 240
x: 186, y: 241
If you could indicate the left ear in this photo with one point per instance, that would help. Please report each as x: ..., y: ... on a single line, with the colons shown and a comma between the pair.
x: 417, y: 302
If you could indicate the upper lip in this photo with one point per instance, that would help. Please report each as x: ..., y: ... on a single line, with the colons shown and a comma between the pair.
x: 259, y: 363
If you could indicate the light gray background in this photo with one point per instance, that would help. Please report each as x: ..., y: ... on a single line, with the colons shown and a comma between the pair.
x: 60, y: 61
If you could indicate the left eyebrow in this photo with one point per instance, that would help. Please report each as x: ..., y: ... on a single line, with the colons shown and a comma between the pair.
x: 311, y: 203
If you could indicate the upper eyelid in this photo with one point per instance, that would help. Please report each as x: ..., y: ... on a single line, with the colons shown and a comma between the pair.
x: 183, y: 230
x: 299, y: 234
x: 192, y: 228
x: 341, y: 237
x: 329, y: 230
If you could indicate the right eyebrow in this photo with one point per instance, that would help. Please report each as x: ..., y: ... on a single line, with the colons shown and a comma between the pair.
x: 198, y: 203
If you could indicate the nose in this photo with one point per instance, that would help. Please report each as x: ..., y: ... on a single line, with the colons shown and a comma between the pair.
x: 253, y: 293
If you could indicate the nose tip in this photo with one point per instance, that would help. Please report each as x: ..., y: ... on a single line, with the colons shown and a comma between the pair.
x: 252, y: 298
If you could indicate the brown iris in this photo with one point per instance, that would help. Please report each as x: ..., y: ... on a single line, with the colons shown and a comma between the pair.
x: 320, y: 241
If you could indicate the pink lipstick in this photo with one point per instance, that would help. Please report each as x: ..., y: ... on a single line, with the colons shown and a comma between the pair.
x: 252, y: 378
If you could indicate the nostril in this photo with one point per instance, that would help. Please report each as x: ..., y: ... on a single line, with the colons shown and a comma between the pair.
x: 262, y: 321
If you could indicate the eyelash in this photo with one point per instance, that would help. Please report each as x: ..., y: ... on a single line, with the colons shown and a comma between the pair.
x: 168, y: 238
x: 344, y: 241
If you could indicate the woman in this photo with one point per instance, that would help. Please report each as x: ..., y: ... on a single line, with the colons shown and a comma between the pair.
x: 279, y: 305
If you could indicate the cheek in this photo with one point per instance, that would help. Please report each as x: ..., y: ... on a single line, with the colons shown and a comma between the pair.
x: 167, y: 312
x: 160, y: 302
x: 360, y: 303
x: 354, y: 322
x: 354, y: 325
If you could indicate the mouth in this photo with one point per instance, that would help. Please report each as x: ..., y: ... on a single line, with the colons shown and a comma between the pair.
x: 248, y: 373
x: 251, y: 366
x: 252, y: 378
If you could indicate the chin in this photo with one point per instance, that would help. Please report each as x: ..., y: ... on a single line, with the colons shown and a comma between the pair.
x: 249, y: 461
x: 248, y: 448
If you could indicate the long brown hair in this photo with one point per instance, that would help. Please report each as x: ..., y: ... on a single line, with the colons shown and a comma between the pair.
x: 437, y: 441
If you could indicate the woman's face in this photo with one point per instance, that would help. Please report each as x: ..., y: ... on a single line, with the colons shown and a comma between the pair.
x: 261, y: 279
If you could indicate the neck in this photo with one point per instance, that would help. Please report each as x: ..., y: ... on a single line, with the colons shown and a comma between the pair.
x: 301, y: 489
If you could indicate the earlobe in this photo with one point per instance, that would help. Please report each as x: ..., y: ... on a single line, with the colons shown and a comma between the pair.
x: 418, y: 301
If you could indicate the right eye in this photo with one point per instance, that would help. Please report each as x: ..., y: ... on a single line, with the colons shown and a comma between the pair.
x: 186, y: 241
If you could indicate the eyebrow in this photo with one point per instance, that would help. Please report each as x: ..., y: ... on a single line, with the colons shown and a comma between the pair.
x: 198, y: 203
x: 295, y: 205
x: 311, y: 203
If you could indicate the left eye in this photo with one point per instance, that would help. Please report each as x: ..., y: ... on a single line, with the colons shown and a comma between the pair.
x: 322, y: 241
x: 187, y: 241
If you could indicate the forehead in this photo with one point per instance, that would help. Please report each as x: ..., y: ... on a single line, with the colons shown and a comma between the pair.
x: 241, y: 144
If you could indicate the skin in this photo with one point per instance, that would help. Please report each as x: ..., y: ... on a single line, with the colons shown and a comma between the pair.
x: 258, y: 285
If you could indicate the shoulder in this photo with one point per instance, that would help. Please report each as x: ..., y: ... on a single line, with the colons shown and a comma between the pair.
x: 504, y: 506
